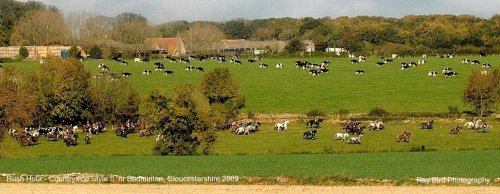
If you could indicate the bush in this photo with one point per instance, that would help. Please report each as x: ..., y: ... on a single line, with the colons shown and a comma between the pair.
x: 74, y: 52
x: 250, y: 115
x: 315, y: 113
x: 95, y: 52
x: 23, y: 52
x: 453, y: 111
x: 378, y: 112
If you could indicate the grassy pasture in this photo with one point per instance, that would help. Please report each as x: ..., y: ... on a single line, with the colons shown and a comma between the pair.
x: 269, y: 141
x: 292, y: 90
x: 393, y: 166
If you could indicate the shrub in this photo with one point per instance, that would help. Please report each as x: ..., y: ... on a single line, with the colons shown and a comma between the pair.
x: 74, y: 52
x: 315, y: 113
x: 453, y: 111
x: 378, y: 112
x: 250, y: 115
x: 95, y: 52
x: 23, y: 52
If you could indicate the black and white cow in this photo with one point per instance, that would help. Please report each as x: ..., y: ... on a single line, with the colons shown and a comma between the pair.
x: 126, y: 74
x: 380, y: 64
x: 432, y: 74
x: 388, y: 60
x: 446, y: 69
x: 263, y: 65
x: 475, y: 62
x: 486, y: 65
x: 169, y: 73
x: 279, y: 66
x: 405, y: 66
x: 314, y: 72
x: 450, y: 74
x: 421, y: 61
x: 147, y: 72
x: 124, y: 63
x: 325, y: 63
x: 159, y: 66
x: 200, y: 69
x: 183, y: 60
x: 482, y: 54
x: 354, y: 61
x: 324, y: 70
x: 465, y: 61
x: 189, y: 68
x: 251, y: 60
x: 413, y: 64
x: 359, y: 72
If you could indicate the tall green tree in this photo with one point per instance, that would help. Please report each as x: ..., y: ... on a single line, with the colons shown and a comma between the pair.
x: 295, y: 45
x: 237, y: 29
x: 482, y: 91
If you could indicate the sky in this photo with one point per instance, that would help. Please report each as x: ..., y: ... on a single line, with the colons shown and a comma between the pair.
x: 159, y: 11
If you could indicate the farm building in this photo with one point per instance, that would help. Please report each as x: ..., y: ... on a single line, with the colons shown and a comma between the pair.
x: 171, y: 46
x: 35, y: 52
x: 336, y: 51
x: 255, y: 47
x: 309, y: 45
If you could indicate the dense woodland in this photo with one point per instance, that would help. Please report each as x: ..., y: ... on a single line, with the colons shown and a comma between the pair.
x: 33, y: 23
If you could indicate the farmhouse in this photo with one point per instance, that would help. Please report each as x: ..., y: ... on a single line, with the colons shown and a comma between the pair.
x: 35, y: 52
x: 336, y: 51
x: 171, y: 46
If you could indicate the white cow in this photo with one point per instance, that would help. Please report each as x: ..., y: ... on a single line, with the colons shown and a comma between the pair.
x: 282, y: 126
x: 341, y: 136
x: 138, y: 60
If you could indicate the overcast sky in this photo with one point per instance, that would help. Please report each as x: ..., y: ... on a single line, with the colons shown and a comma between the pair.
x: 158, y: 11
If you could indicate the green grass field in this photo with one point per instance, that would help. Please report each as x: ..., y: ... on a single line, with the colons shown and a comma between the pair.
x: 292, y: 90
x: 394, y: 166
x: 269, y: 141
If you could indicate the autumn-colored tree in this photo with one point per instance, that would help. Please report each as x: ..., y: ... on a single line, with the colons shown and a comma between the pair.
x: 482, y: 90
x: 182, y: 121
x: 295, y: 45
x: 42, y: 27
x: 222, y: 92
x: 202, y: 37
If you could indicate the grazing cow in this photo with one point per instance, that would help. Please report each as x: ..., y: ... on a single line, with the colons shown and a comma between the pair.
x: 361, y: 58
x: 137, y: 60
x: 482, y: 54
x: 465, y: 61
x: 359, y: 72
x: 146, y: 72
x: 183, y: 60
x: 450, y: 74
x: 421, y: 61
x: 405, y: 66
x: 432, y: 74
x: 352, y: 56
x: 424, y: 56
x: 251, y: 60
x: 159, y: 66
x: 169, y: 73
x: 380, y: 64
x: 404, y: 137
x: 388, y: 60
x: 238, y: 62
x: 355, y: 139
x: 341, y: 136
x: 376, y: 125
x: 475, y: 62
x: 310, y: 135
x: 87, y: 139
x: 279, y: 66
x: 446, y: 69
x: 325, y: 63
x: 126, y: 74
x: 413, y: 64
x: 281, y: 126
x: 354, y: 61
x: 189, y: 68
x: 314, y: 72
x: 262, y: 65
x: 200, y: 69
x: 117, y: 58
x: 324, y: 70
x: 427, y: 125
x: 456, y: 130
x: 486, y: 65
x: 394, y: 56
x: 124, y: 62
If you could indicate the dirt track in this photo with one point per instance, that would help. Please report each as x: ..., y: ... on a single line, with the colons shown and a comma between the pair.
x: 250, y: 189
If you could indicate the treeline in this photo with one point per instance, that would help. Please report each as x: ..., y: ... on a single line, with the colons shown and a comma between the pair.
x: 33, y: 23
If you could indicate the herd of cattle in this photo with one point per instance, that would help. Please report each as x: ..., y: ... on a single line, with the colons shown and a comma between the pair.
x: 69, y: 134
x: 313, y: 69
x: 352, y: 131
